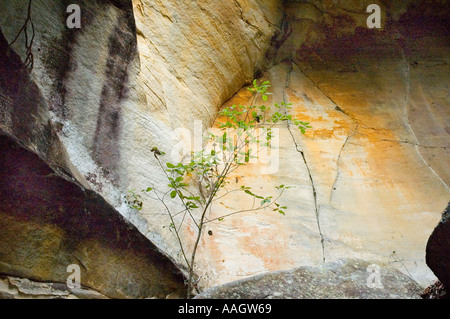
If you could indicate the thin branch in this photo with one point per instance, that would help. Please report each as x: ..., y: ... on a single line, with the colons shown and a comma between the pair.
x: 175, y: 229
x: 29, y: 60
x: 199, y: 235
x: 178, y: 192
x: 246, y: 210
x: 228, y: 192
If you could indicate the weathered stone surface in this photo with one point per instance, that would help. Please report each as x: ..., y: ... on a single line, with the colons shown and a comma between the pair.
x: 343, y: 279
x: 314, y: 23
x: 196, y: 55
x: 22, y: 288
x: 366, y: 183
x: 438, y: 249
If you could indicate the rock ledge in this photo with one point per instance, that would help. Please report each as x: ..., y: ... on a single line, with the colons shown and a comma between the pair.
x: 343, y: 279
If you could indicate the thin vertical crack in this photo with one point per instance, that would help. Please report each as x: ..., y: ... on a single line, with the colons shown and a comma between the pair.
x: 336, y: 105
x: 298, y: 149
x: 338, y: 161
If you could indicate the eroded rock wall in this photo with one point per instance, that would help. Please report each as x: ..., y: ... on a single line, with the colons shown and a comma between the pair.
x: 371, y: 176
x: 23, y: 288
x: 116, y: 90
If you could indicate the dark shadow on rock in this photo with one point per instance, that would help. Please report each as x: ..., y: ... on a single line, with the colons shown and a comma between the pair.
x: 48, y: 223
x: 438, y: 249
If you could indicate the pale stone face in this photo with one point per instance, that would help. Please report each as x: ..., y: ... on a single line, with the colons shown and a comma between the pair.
x: 371, y: 177
x: 377, y: 197
x: 376, y: 158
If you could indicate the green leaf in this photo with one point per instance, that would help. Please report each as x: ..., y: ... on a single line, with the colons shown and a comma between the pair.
x: 264, y: 97
x: 191, y: 205
x: 251, y: 194
x: 266, y: 200
x: 173, y: 194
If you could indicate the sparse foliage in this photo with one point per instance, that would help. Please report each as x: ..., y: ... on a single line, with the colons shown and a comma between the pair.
x: 203, y: 180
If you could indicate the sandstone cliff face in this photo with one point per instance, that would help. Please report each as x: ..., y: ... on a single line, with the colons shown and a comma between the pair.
x: 371, y: 176
x: 373, y: 165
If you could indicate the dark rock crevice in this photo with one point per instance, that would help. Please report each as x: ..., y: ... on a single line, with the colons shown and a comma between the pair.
x: 23, y: 111
x: 48, y: 223
x: 438, y: 250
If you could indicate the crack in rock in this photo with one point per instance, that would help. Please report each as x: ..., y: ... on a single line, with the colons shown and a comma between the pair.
x: 336, y: 105
x: 405, y: 118
x: 338, y: 161
x: 298, y: 149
